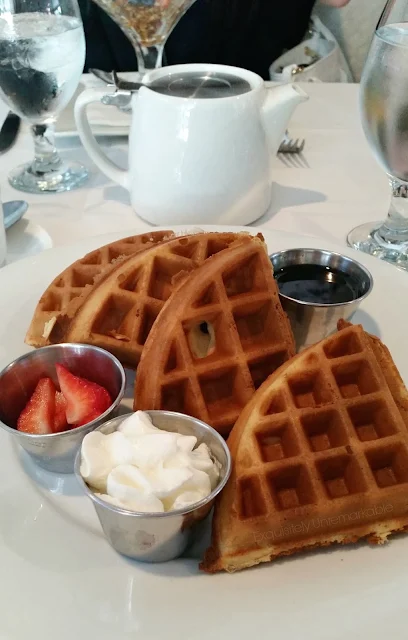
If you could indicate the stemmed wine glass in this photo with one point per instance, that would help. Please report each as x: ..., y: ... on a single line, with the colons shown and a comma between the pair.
x: 42, y: 54
x: 147, y: 24
x: 384, y: 111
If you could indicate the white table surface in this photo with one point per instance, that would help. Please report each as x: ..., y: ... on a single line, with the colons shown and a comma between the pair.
x: 337, y: 185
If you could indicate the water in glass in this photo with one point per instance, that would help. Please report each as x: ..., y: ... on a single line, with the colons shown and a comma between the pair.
x: 42, y: 54
x: 41, y: 61
x: 384, y: 114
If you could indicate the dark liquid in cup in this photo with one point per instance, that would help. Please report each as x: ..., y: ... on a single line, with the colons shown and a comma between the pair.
x: 317, y: 284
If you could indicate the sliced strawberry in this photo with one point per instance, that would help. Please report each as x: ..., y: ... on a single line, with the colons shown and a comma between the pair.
x: 60, y: 418
x: 83, y: 398
x: 91, y: 416
x: 38, y: 414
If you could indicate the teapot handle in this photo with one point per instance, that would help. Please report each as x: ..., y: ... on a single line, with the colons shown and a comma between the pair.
x: 93, y: 149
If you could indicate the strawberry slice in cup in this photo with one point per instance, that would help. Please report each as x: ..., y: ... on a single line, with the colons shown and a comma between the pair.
x: 78, y: 402
x: 93, y: 382
x: 85, y: 400
x: 38, y: 414
x: 45, y: 412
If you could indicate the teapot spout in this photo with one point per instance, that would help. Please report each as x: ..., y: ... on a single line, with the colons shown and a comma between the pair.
x: 277, y: 110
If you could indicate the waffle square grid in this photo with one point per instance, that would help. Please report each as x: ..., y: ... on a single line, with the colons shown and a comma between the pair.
x: 72, y: 282
x: 220, y: 383
x: 225, y: 334
x: 121, y: 309
x: 328, y: 434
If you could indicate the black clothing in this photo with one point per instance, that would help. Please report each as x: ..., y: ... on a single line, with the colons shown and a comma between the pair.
x: 243, y: 33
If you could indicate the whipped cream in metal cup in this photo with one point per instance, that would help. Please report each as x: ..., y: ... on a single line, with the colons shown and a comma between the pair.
x: 56, y: 451
x: 159, y: 537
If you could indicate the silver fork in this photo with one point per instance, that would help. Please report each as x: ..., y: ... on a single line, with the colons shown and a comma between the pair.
x: 289, y: 145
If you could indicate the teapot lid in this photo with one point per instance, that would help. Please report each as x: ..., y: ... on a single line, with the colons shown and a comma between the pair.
x: 200, y: 84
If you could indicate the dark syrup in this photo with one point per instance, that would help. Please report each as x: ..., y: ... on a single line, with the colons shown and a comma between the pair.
x: 317, y: 284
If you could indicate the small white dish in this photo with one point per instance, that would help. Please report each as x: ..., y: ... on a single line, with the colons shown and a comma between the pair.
x: 13, y: 211
x: 25, y: 238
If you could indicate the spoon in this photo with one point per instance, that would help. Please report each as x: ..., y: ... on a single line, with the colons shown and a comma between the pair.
x: 13, y: 211
x: 112, y: 79
x: 105, y: 76
x: 118, y: 99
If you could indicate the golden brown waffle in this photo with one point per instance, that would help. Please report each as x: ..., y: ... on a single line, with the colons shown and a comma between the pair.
x: 222, y: 333
x: 320, y: 455
x: 122, y: 306
x: 73, y: 281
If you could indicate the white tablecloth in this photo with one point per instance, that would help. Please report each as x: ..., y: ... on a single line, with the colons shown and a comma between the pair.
x: 335, y: 186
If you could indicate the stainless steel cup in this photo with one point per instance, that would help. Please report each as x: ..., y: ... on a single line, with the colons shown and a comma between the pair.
x: 56, y: 451
x: 158, y: 537
x: 312, y: 322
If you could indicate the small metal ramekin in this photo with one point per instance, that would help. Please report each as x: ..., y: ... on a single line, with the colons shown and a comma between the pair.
x: 56, y: 451
x: 311, y: 321
x: 158, y: 537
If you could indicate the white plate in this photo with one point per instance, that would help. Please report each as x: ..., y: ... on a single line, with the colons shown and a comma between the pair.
x: 60, y: 579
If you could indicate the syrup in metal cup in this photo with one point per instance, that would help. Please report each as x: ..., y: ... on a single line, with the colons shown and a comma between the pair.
x: 159, y: 537
x: 311, y: 320
x: 56, y: 451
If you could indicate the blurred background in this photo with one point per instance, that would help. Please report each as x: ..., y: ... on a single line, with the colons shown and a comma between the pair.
x: 353, y: 28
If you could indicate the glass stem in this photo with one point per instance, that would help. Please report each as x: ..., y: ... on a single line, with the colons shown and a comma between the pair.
x: 140, y: 60
x: 46, y: 157
x: 152, y: 56
x: 131, y: 35
x: 147, y: 57
x: 395, y: 228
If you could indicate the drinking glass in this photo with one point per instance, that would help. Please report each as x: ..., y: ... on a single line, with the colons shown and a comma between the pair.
x: 384, y: 112
x: 147, y: 24
x: 42, y: 54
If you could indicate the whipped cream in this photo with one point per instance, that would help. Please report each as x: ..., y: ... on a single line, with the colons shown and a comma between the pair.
x: 142, y: 468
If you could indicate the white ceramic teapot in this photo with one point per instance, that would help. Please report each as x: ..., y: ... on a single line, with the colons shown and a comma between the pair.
x: 200, y: 145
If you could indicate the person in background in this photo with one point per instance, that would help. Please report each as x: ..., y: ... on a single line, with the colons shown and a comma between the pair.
x: 353, y: 29
x: 242, y: 33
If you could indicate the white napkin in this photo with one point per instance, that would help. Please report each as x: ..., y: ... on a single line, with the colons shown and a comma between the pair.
x: 104, y: 120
